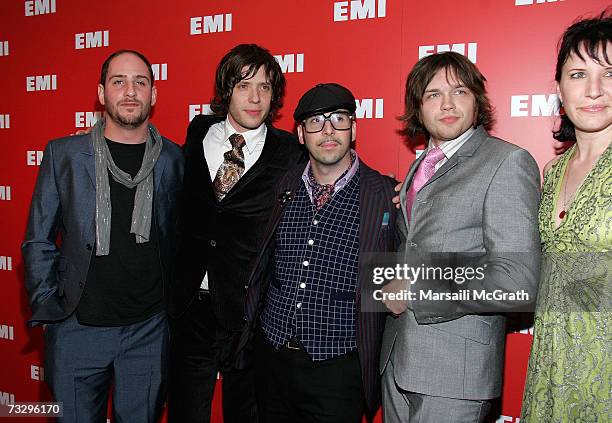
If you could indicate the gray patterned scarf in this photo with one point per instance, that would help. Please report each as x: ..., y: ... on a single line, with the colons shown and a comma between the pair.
x: 143, y: 181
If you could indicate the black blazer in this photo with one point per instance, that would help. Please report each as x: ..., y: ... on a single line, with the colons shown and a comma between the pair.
x: 375, y: 194
x: 64, y: 203
x: 223, y: 238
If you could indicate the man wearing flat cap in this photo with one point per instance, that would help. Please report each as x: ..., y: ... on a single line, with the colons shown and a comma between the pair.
x: 316, y: 354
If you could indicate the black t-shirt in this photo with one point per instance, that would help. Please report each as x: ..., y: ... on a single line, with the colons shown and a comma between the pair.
x: 125, y: 286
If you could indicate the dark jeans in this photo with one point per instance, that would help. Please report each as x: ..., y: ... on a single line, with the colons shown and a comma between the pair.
x: 291, y: 388
x: 81, y: 362
x: 199, y: 349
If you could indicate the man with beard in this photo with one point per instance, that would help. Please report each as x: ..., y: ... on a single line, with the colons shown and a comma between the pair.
x: 97, y: 249
x: 316, y: 354
x: 233, y: 159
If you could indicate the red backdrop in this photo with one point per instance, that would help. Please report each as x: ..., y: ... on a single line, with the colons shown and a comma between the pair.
x: 50, y: 57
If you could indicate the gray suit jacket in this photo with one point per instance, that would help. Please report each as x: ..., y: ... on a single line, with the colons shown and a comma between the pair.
x: 483, y: 200
x: 64, y: 203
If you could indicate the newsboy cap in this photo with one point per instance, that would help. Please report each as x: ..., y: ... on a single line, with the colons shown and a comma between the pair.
x: 324, y: 98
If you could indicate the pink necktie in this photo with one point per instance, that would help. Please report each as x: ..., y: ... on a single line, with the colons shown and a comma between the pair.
x: 425, y: 171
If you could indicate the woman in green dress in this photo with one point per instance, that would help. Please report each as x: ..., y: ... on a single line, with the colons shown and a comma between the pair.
x: 570, y: 365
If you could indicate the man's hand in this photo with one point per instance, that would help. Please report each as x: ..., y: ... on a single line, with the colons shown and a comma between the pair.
x: 396, y: 286
x: 396, y: 199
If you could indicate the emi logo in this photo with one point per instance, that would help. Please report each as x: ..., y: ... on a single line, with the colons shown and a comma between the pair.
x: 472, y: 50
x: 39, y: 7
x: 508, y: 419
x: 199, y: 109
x: 5, y: 194
x: 91, y: 39
x: 160, y: 71
x: 6, y: 263
x: 4, y: 48
x: 33, y: 158
x: 41, y: 83
x: 530, y: 2
x: 534, y: 105
x: 5, y: 121
x: 86, y: 119
x: 291, y: 63
x: 207, y: 24
x: 7, y: 332
x: 357, y: 10
x: 37, y: 372
x: 7, y: 398
x: 369, y: 107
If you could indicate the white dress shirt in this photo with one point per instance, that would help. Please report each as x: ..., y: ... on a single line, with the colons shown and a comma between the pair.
x: 216, y: 143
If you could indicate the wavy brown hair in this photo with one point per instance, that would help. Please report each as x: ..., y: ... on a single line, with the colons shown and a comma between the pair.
x: 457, y: 66
x: 229, y: 73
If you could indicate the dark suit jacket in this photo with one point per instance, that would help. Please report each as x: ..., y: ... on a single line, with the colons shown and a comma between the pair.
x: 222, y: 238
x: 375, y: 194
x: 64, y: 203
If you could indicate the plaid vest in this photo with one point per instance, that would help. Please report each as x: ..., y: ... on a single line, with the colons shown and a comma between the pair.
x: 312, y: 293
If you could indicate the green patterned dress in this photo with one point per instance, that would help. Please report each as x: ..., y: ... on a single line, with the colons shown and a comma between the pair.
x: 569, y: 371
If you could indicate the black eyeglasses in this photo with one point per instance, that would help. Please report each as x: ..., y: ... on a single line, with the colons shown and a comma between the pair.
x: 340, y: 121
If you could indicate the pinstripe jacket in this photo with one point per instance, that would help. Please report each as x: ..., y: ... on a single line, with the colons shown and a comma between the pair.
x: 376, y: 234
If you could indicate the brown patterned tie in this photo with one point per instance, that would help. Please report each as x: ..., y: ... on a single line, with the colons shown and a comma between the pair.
x: 231, y: 169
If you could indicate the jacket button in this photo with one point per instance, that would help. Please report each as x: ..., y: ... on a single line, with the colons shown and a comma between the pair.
x: 213, y: 243
x: 88, y: 246
x: 81, y: 285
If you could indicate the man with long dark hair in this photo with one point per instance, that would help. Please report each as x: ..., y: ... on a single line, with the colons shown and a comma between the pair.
x: 469, y: 193
x: 233, y: 159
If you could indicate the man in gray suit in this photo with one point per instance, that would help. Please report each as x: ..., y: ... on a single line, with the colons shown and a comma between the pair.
x: 109, y: 198
x: 468, y: 193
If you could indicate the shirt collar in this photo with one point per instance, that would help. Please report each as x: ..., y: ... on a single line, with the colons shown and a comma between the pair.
x: 449, y: 148
x: 340, y: 183
x: 252, y: 137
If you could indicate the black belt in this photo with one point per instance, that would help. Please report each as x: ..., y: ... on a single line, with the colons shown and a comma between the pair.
x: 293, y: 344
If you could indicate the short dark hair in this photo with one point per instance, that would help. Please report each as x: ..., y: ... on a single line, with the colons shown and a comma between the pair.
x: 421, y: 75
x: 592, y: 35
x: 229, y: 73
x: 106, y: 64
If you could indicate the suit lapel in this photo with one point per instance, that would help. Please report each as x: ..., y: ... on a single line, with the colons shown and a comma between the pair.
x: 158, y: 170
x: 406, y: 186
x: 88, y: 159
x: 371, y: 209
x: 466, y: 150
